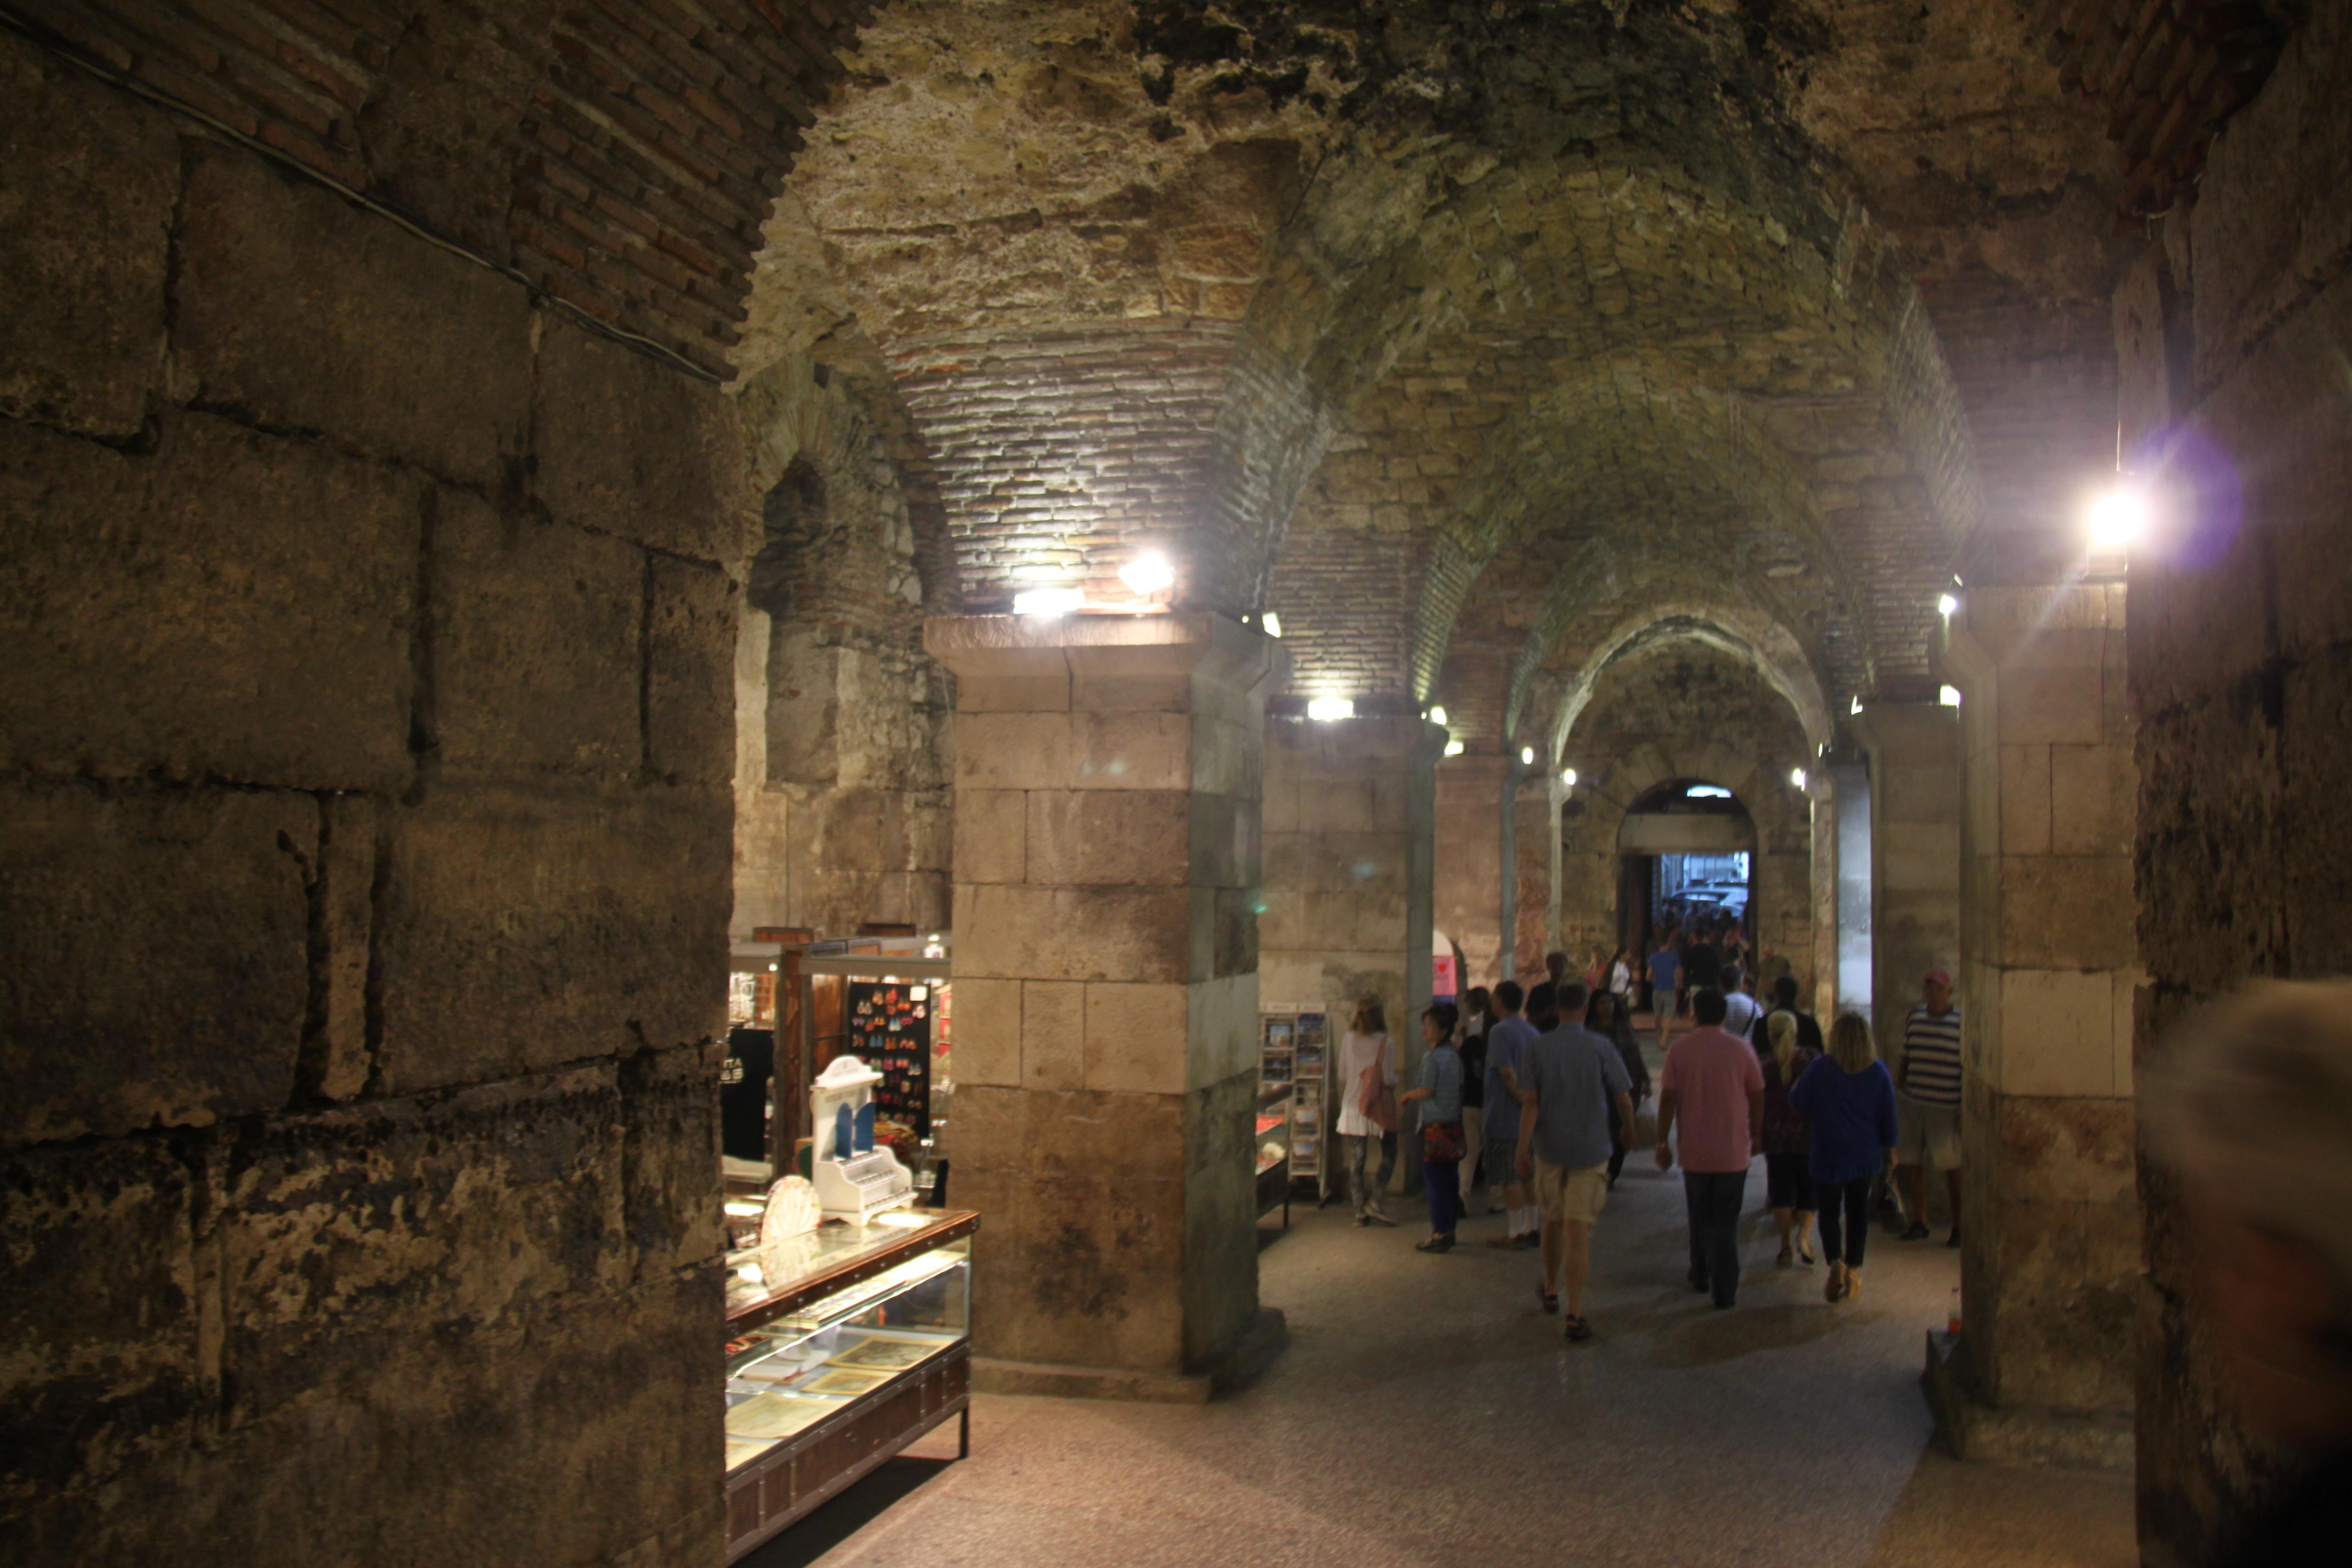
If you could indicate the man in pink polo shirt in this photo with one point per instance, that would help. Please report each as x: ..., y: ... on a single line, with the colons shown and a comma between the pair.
x: 1714, y: 1086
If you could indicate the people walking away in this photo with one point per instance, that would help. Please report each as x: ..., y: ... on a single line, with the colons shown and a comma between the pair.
x: 1702, y: 960
x: 2254, y: 1119
x: 1714, y: 1088
x: 1929, y: 1078
x: 1739, y: 1009
x: 1368, y: 1113
x: 1784, y: 1000
x: 1437, y: 1096
x: 1596, y: 974
x: 1848, y: 1102
x: 1606, y: 1016
x: 1573, y: 1078
x: 1474, y: 1089
x: 1508, y: 1039
x: 1666, y: 971
x: 1621, y: 979
x: 1788, y: 1143
x: 1543, y: 1008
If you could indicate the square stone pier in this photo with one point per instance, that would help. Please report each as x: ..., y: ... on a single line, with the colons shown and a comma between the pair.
x: 2048, y: 977
x: 1108, y: 791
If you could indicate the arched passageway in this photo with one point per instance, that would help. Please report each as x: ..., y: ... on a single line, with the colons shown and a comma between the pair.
x: 462, y: 467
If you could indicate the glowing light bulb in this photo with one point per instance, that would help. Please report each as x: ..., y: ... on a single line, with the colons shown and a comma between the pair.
x: 1567, y: 778
x: 2114, y: 519
x: 1147, y: 573
x: 1949, y: 695
x: 1855, y: 706
x: 1437, y: 715
x: 1272, y: 622
x: 1947, y: 606
x: 1797, y: 778
x: 1047, y: 602
x: 1526, y: 756
x: 1453, y: 748
x: 1326, y: 708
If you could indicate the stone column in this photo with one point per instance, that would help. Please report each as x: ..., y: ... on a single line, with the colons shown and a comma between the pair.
x: 2049, y: 964
x: 1469, y: 878
x: 1535, y: 842
x: 1106, y: 869
x: 1914, y: 856
x: 1351, y: 820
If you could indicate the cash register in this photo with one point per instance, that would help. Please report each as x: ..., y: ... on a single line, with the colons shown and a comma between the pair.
x: 855, y: 1177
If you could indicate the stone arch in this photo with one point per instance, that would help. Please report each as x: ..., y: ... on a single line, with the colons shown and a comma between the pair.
x: 1641, y: 743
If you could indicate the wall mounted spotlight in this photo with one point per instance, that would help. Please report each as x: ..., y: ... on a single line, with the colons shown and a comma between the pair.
x: 1047, y: 602
x: 1272, y: 622
x: 1567, y: 778
x: 1948, y: 606
x: 1147, y: 573
x: 1437, y: 715
x: 1797, y: 778
x: 1949, y: 695
x: 2116, y: 519
x: 1453, y: 748
x: 1324, y: 710
x: 1526, y: 756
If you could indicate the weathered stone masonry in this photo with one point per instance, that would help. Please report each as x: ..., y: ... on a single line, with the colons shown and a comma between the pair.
x: 366, y: 783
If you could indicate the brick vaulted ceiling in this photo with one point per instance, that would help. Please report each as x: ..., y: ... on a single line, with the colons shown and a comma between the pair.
x: 1486, y: 342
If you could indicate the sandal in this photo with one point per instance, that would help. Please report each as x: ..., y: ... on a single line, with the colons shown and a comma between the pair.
x: 1578, y: 1329
x: 1805, y: 1257
x: 1787, y: 1256
x: 1550, y: 1302
x: 1435, y: 1244
x: 1833, y: 1289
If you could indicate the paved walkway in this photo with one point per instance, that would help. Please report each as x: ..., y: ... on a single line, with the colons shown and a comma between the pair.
x: 1428, y: 1412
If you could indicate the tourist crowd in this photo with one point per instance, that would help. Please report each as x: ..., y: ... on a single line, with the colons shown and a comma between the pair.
x: 1538, y: 1096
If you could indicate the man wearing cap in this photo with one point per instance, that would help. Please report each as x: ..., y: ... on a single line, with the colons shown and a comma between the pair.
x: 1929, y: 1078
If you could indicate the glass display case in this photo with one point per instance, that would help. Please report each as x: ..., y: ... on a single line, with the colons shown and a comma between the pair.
x: 844, y: 1345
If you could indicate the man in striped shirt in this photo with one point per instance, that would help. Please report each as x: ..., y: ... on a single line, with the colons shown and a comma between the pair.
x: 1929, y: 1078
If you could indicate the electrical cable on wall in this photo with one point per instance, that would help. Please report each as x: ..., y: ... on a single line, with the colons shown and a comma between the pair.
x: 43, y: 37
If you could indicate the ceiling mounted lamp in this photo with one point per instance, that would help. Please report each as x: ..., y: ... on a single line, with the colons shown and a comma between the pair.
x: 1148, y: 573
x: 1947, y: 606
x: 1437, y: 715
x: 1454, y: 748
x: 1045, y: 604
x: 1797, y: 778
x: 1526, y: 756
x: 1325, y: 710
x: 2116, y: 519
x: 1567, y: 778
x: 1273, y: 625
x: 1949, y: 695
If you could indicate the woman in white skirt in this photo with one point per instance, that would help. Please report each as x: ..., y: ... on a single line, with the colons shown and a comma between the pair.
x: 1368, y: 1060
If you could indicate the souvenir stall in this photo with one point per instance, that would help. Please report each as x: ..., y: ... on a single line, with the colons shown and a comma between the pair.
x: 848, y: 1297
x: 1291, y: 1135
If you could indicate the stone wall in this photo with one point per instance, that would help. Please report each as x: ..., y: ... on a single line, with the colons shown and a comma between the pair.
x: 364, y: 748
x: 1681, y: 712
x: 843, y: 725
x: 2232, y: 331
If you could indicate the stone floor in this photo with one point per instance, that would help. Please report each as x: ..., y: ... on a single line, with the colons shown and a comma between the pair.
x: 1426, y: 1412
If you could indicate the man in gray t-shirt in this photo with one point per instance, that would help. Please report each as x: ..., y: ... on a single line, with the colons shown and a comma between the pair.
x: 1567, y: 1083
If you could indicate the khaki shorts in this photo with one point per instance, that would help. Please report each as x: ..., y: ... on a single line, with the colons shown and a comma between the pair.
x: 1576, y: 1194
x: 1929, y: 1134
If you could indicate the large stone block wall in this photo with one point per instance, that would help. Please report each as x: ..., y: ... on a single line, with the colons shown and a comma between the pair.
x: 1915, y: 855
x: 1467, y: 882
x: 365, y: 737
x: 1685, y: 712
x: 2234, y: 328
x: 1349, y: 826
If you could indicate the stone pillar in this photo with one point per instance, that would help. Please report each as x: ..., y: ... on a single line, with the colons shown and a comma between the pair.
x: 1468, y: 877
x: 2049, y: 964
x: 1535, y: 845
x: 1106, y: 869
x: 1914, y: 856
x: 1351, y: 819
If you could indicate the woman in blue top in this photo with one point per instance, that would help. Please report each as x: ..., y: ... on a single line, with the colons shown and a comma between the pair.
x: 1850, y: 1100
x: 1440, y: 1092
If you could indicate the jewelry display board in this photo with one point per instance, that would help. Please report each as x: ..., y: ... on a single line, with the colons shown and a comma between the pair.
x: 890, y: 1026
x: 845, y: 1343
